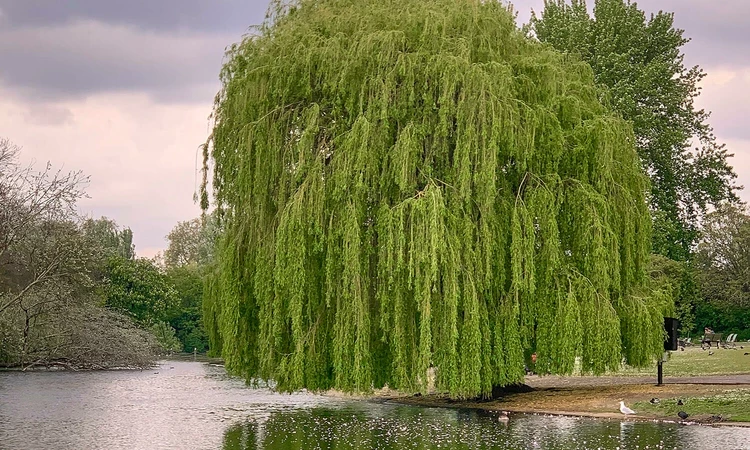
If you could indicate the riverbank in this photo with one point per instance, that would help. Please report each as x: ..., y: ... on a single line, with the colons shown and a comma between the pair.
x: 718, y: 400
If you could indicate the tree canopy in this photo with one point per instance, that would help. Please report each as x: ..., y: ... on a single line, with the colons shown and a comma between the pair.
x: 723, y: 256
x: 415, y: 183
x: 640, y: 64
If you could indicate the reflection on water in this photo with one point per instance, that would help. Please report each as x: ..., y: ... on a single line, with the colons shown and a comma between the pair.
x: 187, y: 405
x: 402, y: 427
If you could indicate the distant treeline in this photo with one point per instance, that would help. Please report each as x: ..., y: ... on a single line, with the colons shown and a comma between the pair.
x: 73, y: 293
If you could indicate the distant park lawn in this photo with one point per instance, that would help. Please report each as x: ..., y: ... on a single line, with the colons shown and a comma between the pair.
x: 696, y: 362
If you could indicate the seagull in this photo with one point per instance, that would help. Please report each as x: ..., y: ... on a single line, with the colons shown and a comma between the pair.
x: 683, y: 415
x: 679, y: 402
x: 625, y: 410
x: 654, y: 401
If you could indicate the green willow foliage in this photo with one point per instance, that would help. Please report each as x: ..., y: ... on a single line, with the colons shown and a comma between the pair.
x: 409, y: 184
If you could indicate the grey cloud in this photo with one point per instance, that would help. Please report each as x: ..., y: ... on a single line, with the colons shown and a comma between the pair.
x: 730, y: 106
x: 718, y: 29
x: 48, y: 115
x: 232, y: 16
x: 85, y: 57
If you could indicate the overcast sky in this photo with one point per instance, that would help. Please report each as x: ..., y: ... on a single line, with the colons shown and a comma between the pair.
x: 123, y: 89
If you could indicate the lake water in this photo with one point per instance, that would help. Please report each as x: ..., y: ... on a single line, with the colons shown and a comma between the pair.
x: 191, y: 405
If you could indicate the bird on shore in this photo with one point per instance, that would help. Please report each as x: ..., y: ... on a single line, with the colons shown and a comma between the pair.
x: 679, y: 402
x: 683, y: 415
x: 654, y: 401
x: 624, y: 409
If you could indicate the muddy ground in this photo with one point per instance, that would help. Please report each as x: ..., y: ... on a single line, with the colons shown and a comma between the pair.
x: 594, y: 396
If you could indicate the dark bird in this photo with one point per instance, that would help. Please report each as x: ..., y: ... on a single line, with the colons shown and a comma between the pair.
x: 746, y: 353
x: 679, y: 402
x: 710, y: 353
x: 683, y: 415
x: 654, y: 401
x: 682, y: 349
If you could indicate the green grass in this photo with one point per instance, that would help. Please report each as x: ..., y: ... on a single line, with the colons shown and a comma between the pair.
x: 696, y: 362
x: 732, y: 405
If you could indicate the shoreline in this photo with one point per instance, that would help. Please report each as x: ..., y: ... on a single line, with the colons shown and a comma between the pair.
x: 591, y: 401
x: 491, y: 409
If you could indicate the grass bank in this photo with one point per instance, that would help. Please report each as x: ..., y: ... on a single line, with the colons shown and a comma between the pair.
x: 731, y: 405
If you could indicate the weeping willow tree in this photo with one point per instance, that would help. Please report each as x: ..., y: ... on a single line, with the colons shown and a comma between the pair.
x: 407, y: 184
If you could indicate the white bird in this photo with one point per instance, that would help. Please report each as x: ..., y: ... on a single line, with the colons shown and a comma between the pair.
x: 624, y: 409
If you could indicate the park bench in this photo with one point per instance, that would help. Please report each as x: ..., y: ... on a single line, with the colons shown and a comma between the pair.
x: 710, y: 338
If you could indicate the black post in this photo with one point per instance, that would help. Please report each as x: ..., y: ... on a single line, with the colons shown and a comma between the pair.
x: 671, y: 325
x: 659, y: 375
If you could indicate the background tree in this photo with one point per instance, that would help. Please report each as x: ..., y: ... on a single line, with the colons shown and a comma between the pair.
x: 422, y: 185
x: 677, y: 280
x: 184, y: 244
x: 189, y: 251
x: 192, y: 242
x: 186, y: 319
x: 723, y: 269
x: 639, y: 63
x: 112, y: 240
x: 138, y: 289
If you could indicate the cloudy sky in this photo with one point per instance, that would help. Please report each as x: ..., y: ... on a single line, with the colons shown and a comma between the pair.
x: 123, y: 89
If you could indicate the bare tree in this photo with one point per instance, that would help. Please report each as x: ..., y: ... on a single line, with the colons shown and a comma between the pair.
x: 50, y: 308
x: 31, y: 204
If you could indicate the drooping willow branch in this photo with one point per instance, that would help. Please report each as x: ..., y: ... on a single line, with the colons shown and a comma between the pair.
x: 409, y: 184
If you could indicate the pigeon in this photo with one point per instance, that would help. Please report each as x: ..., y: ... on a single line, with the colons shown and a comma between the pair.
x: 654, y: 401
x: 710, y: 353
x: 625, y: 410
x: 679, y: 402
x: 683, y: 415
